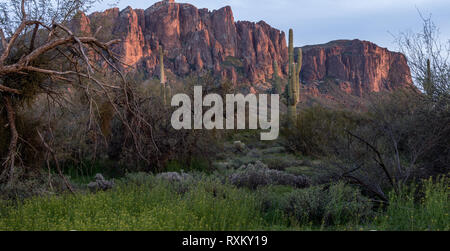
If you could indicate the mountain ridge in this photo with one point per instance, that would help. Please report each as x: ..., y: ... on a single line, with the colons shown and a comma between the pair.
x: 196, y: 41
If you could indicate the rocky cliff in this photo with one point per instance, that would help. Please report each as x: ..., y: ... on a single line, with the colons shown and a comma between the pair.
x: 357, y: 67
x: 194, y: 40
x: 199, y: 40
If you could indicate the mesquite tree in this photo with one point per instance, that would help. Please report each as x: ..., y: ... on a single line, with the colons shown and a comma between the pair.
x: 428, y: 57
x: 40, y: 55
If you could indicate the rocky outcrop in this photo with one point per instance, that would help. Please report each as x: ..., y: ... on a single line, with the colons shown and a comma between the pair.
x: 198, y: 41
x: 357, y: 67
x: 194, y: 40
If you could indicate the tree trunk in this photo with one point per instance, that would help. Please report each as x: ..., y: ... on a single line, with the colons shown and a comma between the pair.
x: 9, y: 164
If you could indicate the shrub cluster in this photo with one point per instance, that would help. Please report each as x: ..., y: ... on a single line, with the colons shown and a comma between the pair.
x: 256, y: 175
x: 337, y: 204
x: 320, y: 131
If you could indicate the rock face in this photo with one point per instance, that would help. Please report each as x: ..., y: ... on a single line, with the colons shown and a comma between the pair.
x: 198, y: 41
x: 194, y: 40
x: 357, y: 67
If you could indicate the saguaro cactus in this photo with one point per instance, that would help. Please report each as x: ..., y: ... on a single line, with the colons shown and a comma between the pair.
x: 276, y: 78
x: 165, y: 89
x: 298, y: 68
x: 293, y: 88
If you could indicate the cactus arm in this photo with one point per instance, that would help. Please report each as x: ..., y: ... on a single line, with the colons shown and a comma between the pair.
x: 299, y: 60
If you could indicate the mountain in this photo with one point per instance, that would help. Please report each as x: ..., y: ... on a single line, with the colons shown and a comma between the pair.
x: 358, y: 67
x: 198, y: 41
x: 194, y: 40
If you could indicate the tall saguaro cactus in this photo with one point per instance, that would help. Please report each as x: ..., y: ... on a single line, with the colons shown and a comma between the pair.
x: 165, y: 89
x: 276, y: 78
x: 293, y: 88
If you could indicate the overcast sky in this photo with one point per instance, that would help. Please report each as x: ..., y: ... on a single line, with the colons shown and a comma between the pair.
x: 320, y: 21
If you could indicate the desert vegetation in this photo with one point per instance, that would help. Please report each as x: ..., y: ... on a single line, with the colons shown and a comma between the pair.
x: 87, y: 144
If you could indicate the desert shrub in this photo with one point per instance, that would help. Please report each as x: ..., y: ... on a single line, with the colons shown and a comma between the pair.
x: 197, y: 164
x: 38, y: 183
x: 404, y: 138
x: 411, y: 126
x: 273, y: 203
x: 281, y: 162
x: 435, y: 158
x: 250, y: 138
x: 416, y: 208
x: 238, y: 162
x: 179, y: 182
x: 274, y: 150
x: 401, y: 137
x: 337, y: 204
x: 30, y: 148
x: 254, y: 176
x: 153, y: 144
x: 74, y: 131
x: 82, y: 172
x: 138, y: 179
x: 319, y: 131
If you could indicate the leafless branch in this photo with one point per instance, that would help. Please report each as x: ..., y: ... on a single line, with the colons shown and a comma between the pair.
x: 50, y: 150
x: 379, y: 158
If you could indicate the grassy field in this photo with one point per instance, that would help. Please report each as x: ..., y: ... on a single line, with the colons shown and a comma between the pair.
x: 207, y: 204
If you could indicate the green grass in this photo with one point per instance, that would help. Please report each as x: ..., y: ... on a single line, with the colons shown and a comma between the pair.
x: 195, y: 165
x: 142, y: 202
x: 139, y: 207
x: 431, y: 212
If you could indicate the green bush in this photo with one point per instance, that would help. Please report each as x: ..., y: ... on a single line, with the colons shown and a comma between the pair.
x: 281, y: 162
x: 429, y: 212
x: 83, y: 172
x: 195, y: 164
x: 257, y: 175
x: 138, y: 179
x: 39, y: 184
x: 273, y: 203
x: 318, y: 130
x: 337, y: 205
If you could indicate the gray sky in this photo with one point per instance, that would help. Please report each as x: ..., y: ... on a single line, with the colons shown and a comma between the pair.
x: 320, y: 21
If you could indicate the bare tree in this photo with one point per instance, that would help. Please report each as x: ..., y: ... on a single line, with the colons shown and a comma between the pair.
x: 428, y: 56
x: 39, y: 51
